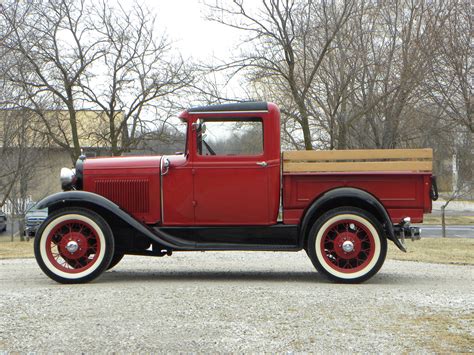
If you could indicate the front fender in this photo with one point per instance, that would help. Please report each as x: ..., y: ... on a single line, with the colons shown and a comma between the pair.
x: 63, y: 198
x: 97, y: 202
x: 348, y: 196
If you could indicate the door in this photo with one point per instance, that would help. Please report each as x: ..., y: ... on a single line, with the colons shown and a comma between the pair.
x: 230, y: 175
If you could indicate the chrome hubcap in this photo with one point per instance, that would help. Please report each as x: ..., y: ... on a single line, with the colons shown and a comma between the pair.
x: 348, y: 246
x: 72, y: 246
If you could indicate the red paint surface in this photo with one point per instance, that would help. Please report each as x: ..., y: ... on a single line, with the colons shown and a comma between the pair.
x: 402, y: 193
x: 224, y: 190
x: 178, y: 192
x: 133, y: 183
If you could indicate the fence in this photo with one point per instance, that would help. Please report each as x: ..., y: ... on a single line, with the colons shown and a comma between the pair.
x: 12, y: 207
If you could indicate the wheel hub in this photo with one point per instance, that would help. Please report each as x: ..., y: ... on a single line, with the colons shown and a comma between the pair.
x: 348, y: 246
x: 72, y: 246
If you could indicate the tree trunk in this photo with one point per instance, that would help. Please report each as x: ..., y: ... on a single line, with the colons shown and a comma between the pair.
x: 12, y: 224
x: 306, y: 135
x: 22, y: 205
x: 443, y: 221
x: 76, y: 149
x: 342, y: 137
x: 342, y: 126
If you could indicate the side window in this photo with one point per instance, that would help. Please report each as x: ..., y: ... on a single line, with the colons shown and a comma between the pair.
x: 230, y: 137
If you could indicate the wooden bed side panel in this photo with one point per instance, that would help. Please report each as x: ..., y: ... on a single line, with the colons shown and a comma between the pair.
x: 359, y: 160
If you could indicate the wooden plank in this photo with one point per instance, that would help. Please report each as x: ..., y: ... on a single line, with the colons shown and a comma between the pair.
x: 358, y: 154
x: 359, y: 166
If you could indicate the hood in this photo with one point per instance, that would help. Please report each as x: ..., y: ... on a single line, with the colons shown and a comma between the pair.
x: 122, y: 162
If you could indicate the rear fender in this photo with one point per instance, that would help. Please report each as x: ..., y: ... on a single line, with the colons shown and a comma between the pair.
x: 351, y: 197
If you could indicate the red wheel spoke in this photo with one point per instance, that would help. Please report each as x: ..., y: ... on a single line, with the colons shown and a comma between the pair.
x: 348, y: 245
x: 73, y: 246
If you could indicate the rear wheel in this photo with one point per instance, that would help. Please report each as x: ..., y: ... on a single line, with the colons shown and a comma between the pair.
x: 347, y: 245
x: 74, y: 245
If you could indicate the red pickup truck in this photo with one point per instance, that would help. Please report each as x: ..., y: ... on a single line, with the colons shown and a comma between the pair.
x: 233, y: 189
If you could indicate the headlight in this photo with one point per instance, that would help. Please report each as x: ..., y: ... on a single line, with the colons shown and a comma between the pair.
x: 67, y: 177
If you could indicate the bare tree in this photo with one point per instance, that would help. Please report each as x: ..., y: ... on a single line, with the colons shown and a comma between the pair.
x: 451, y: 85
x: 138, y: 72
x: 397, y: 46
x: 287, y: 43
x: 75, y: 55
x: 60, y: 47
x: 20, y: 156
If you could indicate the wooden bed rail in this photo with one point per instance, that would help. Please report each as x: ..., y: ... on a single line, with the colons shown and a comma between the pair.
x: 416, y: 160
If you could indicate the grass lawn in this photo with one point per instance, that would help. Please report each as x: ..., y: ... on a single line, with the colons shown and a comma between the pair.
x: 436, y: 250
x: 431, y: 250
x: 450, y: 220
x: 14, y: 250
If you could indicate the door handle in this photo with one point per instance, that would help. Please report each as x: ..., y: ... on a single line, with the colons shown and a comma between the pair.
x: 262, y: 163
x: 164, y: 166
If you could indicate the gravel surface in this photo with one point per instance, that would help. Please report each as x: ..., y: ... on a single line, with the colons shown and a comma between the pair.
x: 237, y: 301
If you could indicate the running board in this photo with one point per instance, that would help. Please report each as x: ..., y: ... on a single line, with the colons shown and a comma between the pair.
x: 277, y: 237
x: 242, y: 247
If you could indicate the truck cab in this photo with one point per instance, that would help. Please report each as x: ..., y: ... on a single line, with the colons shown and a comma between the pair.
x: 233, y: 189
x: 232, y: 162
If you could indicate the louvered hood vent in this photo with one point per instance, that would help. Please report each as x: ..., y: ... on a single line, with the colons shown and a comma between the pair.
x: 130, y: 194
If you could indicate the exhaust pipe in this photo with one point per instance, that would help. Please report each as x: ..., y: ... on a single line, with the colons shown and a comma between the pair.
x: 405, y: 230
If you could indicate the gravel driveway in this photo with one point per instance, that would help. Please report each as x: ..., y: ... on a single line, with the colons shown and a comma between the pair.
x: 237, y: 301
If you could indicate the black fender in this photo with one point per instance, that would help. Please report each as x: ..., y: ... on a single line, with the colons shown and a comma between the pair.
x: 94, y: 202
x: 347, y: 196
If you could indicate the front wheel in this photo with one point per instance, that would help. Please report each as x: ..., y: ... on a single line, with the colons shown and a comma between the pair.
x: 118, y: 256
x: 347, y: 245
x: 74, y: 245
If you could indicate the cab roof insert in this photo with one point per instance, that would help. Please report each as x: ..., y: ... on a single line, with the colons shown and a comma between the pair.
x: 240, y: 107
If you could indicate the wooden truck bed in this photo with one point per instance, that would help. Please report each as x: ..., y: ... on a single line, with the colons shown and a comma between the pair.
x: 399, y: 178
x: 358, y: 160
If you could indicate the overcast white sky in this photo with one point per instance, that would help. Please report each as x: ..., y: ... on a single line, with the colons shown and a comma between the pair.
x: 190, y: 33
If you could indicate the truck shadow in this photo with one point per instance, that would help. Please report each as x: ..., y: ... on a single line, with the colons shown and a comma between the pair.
x: 211, y: 276
x: 119, y: 276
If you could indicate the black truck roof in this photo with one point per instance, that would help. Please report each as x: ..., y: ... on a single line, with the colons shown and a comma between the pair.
x: 253, y: 106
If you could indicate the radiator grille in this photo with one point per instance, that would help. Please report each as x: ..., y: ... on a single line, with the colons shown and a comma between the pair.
x: 130, y: 194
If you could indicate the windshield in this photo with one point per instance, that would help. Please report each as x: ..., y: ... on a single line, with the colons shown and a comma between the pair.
x: 181, y: 132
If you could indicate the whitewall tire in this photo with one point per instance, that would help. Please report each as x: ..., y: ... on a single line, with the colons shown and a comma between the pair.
x: 347, y: 245
x: 74, y: 245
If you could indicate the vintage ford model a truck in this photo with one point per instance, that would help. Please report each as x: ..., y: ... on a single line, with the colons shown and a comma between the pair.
x: 236, y: 193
